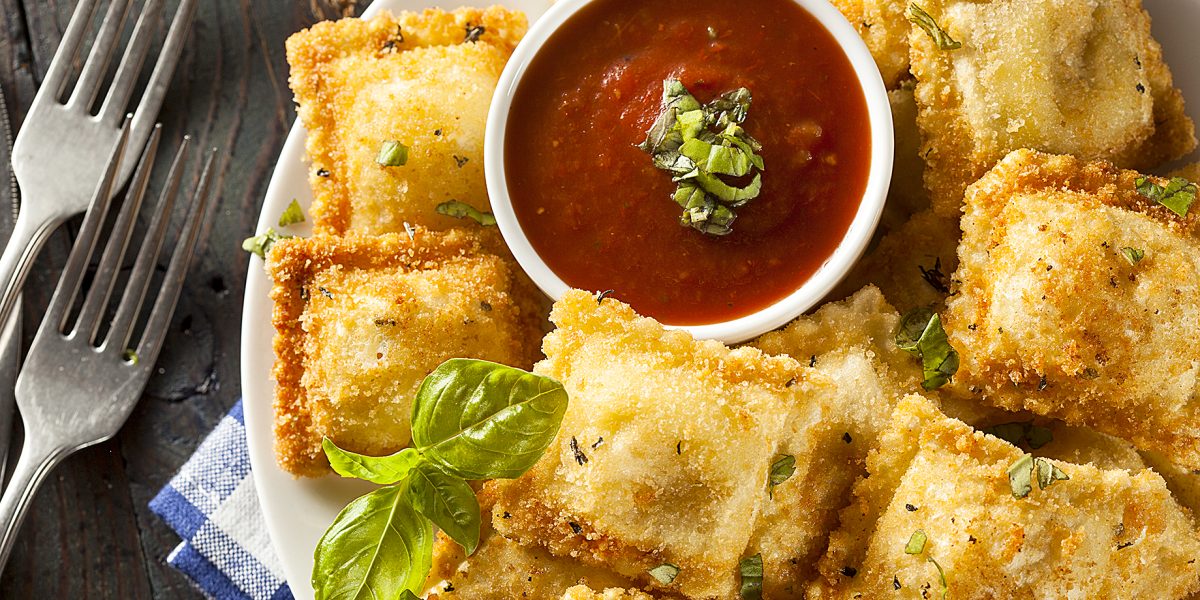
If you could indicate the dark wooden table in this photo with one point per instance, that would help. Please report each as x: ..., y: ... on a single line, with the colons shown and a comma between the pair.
x: 90, y: 533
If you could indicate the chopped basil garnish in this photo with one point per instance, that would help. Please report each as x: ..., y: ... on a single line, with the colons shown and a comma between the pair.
x: 664, y: 573
x: 941, y: 577
x: 392, y: 154
x: 940, y: 38
x: 292, y: 214
x: 462, y: 210
x: 781, y: 470
x: 921, y: 334
x: 697, y: 144
x: 1028, y: 469
x: 751, y: 569
x: 383, y: 542
x: 1177, y: 196
x: 916, y: 542
x: 260, y: 245
x: 1133, y: 255
x: 1018, y: 433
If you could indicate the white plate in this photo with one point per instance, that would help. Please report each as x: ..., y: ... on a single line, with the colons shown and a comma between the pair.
x: 299, y: 510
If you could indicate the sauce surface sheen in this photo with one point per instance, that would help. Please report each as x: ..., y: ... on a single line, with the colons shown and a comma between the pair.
x: 601, y: 215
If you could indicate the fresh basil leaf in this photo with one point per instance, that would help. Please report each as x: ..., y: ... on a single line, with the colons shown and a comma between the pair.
x: 462, y: 210
x: 751, y: 569
x: 447, y: 501
x: 392, y: 154
x: 377, y: 547
x: 479, y: 420
x: 1047, y: 473
x: 940, y: 38
x: 1020, y: 476
x: 921, y: 334
x: 1133, y: 255
x: 1177, y: 196
x: 292, y: 214
x: 781, y: 470
x: 916, y: 542
x: 260, y: 245
x: 729, y: 195
x: 384, y: 470
x: 408, y: 595
x: 729, y: 108
x: 664, y: 573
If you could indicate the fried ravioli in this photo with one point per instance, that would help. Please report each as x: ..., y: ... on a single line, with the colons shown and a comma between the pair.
x: 664, y: 453
x: 1053, y: 317
x: 1064, y: 76
x: 1099, y: 534
x: 361, y: 320
x: 882, y: 25
x: 913, y: 264
x: 581, y: 592
x: 424, y: 80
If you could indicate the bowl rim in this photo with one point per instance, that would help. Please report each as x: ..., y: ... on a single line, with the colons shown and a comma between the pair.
x: 816, y: 287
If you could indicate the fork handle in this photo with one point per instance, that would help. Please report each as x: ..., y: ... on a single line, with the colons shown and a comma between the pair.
x: 36, y: 461
x: 30, y: 232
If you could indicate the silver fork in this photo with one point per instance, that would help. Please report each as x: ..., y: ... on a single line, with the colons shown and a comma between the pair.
x: 58, y: 156
x: 80, y: 381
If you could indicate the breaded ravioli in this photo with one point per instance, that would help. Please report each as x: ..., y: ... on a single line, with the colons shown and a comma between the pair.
x: 582, y: 592
x: 882, y: 25
x: 361, y: 320
x: 1079, y: 299
x: 664, y: 452
x: 1074, y: 77
x: 1098, y: 534
x: 913, y: 264
x: 424, y: 80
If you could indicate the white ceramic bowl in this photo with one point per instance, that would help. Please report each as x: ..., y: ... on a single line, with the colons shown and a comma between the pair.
x: 776, y: 315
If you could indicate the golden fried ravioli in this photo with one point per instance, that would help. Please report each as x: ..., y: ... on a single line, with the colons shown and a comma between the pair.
x: 664, y: 452
x: 882, y: 25
x: 424, y: 80
x: 1056, y: 315
x: 1098, y: 534
x: 581, y: 592
x: 912, y: 264
x: 361, y: 320
x: 1065, y: 76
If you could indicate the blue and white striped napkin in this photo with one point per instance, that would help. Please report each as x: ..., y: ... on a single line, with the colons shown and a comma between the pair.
x: 212, y: 505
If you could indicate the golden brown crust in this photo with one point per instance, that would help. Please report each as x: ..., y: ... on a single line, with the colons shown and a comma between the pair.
x: 1052, y: 318
x: 336, y: 296
x: 1112, y: 534
x: 883, y: 27
x: 1069, y: 78
x: 408, y: 77
x: 913, y: 263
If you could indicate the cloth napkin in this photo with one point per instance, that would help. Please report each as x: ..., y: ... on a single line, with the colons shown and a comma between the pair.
x: 213, y: 506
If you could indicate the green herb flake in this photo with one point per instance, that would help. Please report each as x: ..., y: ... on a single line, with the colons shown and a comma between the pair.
x: 940, y: 38
x: 664, y: 573
x: 941, y: 577
x: 462, y: 210
x: 392, y: 154
x: 916, y: 542
x: 751, y: 569
x: 1177, y: 196
x: 781, y: 470
x: 292, y: 214
x: 260, y: 245
x: 921, y: 334
x: 1028, y: 469
x: 1022, y: 433
x: 1133, y: 255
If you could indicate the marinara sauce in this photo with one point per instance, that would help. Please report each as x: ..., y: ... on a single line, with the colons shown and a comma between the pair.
x: 601, y: 215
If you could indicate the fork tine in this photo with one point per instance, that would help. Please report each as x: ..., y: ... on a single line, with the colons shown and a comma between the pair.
x: 147, y: 258
x: 160, y: 317
x: 85, y: 242
x: 88, y: 322
x: 131, y: 62
x: 99, y: 56
x: 64, y: 57
x: 168, y: 58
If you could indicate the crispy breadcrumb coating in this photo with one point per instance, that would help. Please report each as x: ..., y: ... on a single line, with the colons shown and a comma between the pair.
x: 413, y: 78
x: 581, y: 592
x: 1100, y: 534
x: 913, y: 264
x: 361, y: 320
x: 1064, y: 76
x: 882, y: 25
x: 1051, y: 317
x: 664, y: 452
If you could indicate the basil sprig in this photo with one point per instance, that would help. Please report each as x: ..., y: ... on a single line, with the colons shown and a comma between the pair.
x: 698, y: 143
x: 471, y: 419
x: 921, y: 334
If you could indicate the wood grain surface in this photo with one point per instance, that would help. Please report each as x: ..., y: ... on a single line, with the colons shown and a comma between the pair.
x: 90, y: 533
